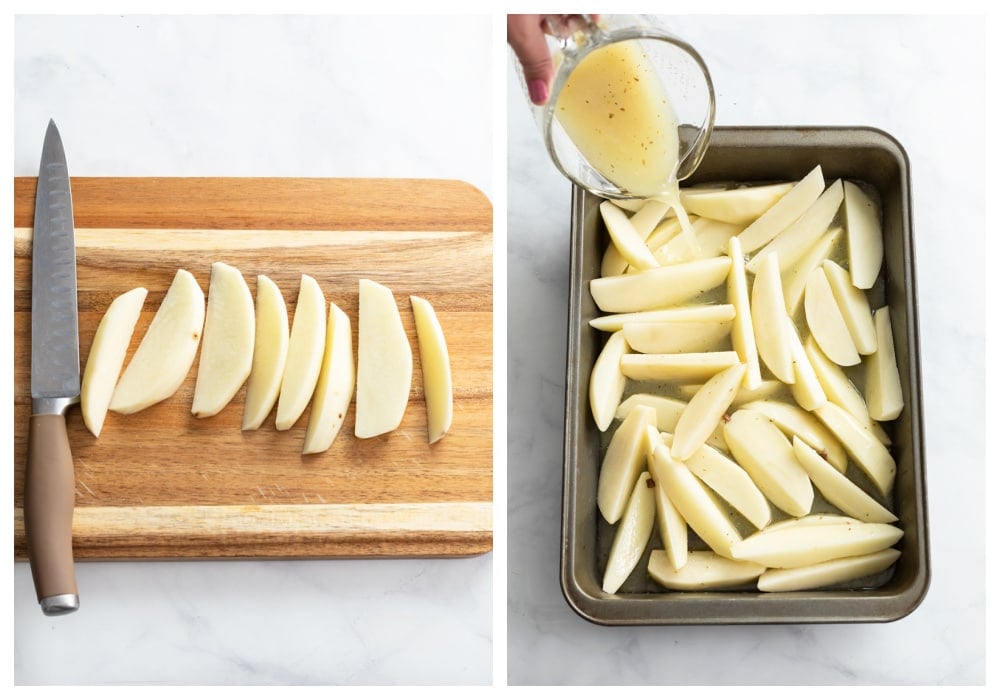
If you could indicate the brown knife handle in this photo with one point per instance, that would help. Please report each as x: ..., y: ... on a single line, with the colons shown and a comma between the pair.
x: 49, y: 496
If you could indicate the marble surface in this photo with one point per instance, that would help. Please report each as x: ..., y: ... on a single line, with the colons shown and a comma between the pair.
x: 259, y: 96
x: 921, y: 79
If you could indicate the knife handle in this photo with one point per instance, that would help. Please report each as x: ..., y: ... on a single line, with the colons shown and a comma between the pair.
x: 49, y: 496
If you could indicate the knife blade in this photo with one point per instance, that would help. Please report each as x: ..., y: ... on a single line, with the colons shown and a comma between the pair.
x: 50, y: 482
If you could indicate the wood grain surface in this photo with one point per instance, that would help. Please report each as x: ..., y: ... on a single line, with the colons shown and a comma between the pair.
x: 163, y: 484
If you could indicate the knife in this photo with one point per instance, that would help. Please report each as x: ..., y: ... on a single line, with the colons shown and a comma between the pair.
x: 50, y: 483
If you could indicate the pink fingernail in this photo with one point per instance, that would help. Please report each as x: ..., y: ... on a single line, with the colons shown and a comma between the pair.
x: 538, y: 90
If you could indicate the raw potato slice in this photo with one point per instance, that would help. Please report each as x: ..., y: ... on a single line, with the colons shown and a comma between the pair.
x: 711, y: 240
x: 732, y: 483
x: 827, y: 573
x: 673, y: 528
x: 759, y: 446
x: 227, y: 346
x: 335, y: 385
x: 306, y: 344
x: 632, y: 534
x: 741, y: 205
x: 841, y: 390
x: 613, y: 262
x: 696, y: 313
x: 864, y: 237
x: 668, y: 412
x: 770, y: 325
x: 694, y: 502
x: 869, y: 453
x: 838, y: 489
x: 813, y: 519
x: 648, y: 217
x: 883, y: 390
x: 435, y: 368
x: 622, y: 463
x: 793, y: 280
x: 626, y: 239
x: 676, y: 336
x: 704, y: 571
x: 784, y: 212
x: 385, y: 362
x: 826, y: 323
x: 704, y: 411
x: 853, y: 307
x: 270, y: 349
x: 807, y: 389
x: 660, y: 287
x: 744, y: 341
x: 793, y: 546
x: 792, y: 243
x: 607, y: 383
x: 107, y: 355
x: 167, y: 351
x: 767, y: 389
x: 794, y: 421
x: 663, y: 234
x: 686, y: 366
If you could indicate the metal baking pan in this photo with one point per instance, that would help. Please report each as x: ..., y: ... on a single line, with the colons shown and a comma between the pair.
x: 752, y: 154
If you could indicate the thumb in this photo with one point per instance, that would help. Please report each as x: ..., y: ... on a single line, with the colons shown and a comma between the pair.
x: 527, y: 40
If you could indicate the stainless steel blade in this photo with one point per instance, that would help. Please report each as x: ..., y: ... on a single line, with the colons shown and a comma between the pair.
x: 55, y: 343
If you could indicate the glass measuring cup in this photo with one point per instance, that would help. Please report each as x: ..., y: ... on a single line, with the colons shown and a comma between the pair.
x: 628, y: 68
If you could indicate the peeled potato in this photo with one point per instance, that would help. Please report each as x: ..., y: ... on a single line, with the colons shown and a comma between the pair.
x: 883, y: 390
x: 632, y: 534
x: 770, y: 327
x: 827, y: 573
x: 839, y: 490
x: 795, y: 546
x: 704, y: 411
x: 683, y: 366
x: 625, y: 238
x: 826, y: 322
x: 853, y: 306
x: 695, y: 313
x: 793, y: 279
x: 731, y: 483
x: 864, y: 237
x: 739, y: 205
x: 607, y: 383
x: 869, y: 453
x: 622, y: 463
x: 703, y: 571
x: 784, y: 212
x: 794, y: 421
x: 738, y: 295
x: 659, y: 287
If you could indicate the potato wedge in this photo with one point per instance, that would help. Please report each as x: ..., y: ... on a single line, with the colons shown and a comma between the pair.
x: 883, y: 390
x: 768, y: 388
x: 677, y: 336
x: 759, y: 446
x: 827, y: 573
x: 632, y: 534
x: 306, y: 345
x: 793, y: 280
x: 659, y: 287
x: 795, y: 421
x: 625, y: 238
x: 685, y: 366
x: 696, y: 313
x: 864, y: 237
x: 704, y: 571
x: 671, y: 525
x: 649, y: 216
x: 668, y: 409
x: 826, y: 322
x: 607, y: 383
x: 738, y: 295
x: 838, y: 489
x: 335, y: 385
x: 807, y: 390
x: 770, y: 325
x: 435, y: 369
x: 704, y: 411
x: 728, y: 479
x: 783, y: 212
x: 270, y: 351
x: 694, y: 502
x: 623, y: 462
x: 738, y: 205
x: 796, y: 546
x: 870, y: 454
x: 711, y: 239
x: 854, y: 307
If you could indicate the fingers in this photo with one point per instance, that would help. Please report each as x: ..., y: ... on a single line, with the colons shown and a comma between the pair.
x: 526, y: 36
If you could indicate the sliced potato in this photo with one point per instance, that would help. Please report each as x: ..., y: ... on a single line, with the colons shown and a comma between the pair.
x: 711, y: 237
x: 783, y: 212
x: 435, y: 368
x: 694, y: 502
x: 792, y: 243
x: 807, y: 389
x: 795, y: 421
x: 839, y: 490
x: 685, y: 366
x: 626, y: 239
x: 107, y: 355
x: 632, y: 534
x: 704, y: 411
x: 663, y: 234
x: 770, y: 325
x: 306, y: 345
x: 659, y: 287
x: 676, y: 336
x: 704, y: 571
x: 270, y: 350
x: 335, y: 385
x: 864, y: 237
x: 623, y: 462
x: 738, y: 205
x: 870, y: 454
x: 826, y: 322
x: 854, y: 307
x: 696, y: 313
x: 793, y: 280
x: 613, y: 262
x: 760, y: 447
x: 649, y: 216
x: 738, y: 295
x: 672, y: 527
x: 813, y: 519
x: 731, y: 483
x: 883, y: 389
x: 668, y: 409
x: 827, y: 573
x: 795, y: 546
x: 607, y: 383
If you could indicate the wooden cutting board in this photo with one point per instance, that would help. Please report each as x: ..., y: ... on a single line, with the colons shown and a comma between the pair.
x: 163, y: 484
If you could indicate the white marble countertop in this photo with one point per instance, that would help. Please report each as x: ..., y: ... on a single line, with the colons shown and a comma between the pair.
x: 259, y: 96
x: 923, y: 81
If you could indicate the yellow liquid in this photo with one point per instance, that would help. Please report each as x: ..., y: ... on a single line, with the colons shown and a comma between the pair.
x: 616, y: 111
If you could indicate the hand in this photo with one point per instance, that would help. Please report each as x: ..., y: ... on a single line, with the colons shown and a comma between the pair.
x: 526, y: 36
